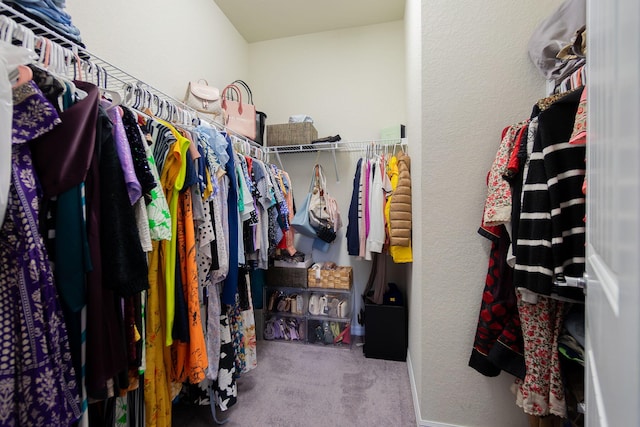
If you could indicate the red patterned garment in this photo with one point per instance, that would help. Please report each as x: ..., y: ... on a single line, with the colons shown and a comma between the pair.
x: 498, y: 342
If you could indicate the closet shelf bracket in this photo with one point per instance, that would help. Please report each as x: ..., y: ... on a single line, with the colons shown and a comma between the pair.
x: 342, y: 146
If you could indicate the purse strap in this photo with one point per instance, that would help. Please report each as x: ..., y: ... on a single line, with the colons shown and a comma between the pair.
x: 231, y: 88
x: 318, y: 178
x: 246, y: 87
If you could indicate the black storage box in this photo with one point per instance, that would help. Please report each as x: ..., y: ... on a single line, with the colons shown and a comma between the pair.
x: 385, y: 332
x: 292, y: 277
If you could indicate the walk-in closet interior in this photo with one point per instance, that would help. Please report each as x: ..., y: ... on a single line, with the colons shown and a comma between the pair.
x: 479, y: 175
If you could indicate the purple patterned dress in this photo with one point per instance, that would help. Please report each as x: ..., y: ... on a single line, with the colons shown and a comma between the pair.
x: 37, y: 382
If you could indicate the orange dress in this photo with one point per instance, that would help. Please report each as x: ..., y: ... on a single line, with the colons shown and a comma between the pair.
x: 189, y: 360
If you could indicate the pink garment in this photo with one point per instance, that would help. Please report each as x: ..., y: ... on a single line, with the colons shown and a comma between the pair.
x: 579, y: 134
x: 497, y: 208
x: 542, y: 392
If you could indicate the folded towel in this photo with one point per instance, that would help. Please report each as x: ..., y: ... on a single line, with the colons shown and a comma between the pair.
x: 300, y: 118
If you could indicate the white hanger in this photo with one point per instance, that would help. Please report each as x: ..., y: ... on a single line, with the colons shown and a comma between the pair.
x: 101, y: 81
x: 7, y: 27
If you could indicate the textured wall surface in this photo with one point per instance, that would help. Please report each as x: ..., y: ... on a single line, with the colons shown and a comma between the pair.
x: 163, y: 44
x: 413, y: 47
x: 477, y: 79
x: 352, y: 82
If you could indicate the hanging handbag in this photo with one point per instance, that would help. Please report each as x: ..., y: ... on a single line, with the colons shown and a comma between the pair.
x: 239, y: 117
x: 324, y: 214
x: 260, y: 116
x: 203, y: 98
x: 300, y: 221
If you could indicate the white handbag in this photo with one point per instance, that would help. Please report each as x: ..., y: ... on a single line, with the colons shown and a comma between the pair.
x: 203, y: 98
x: 314, y: 304
x: 343, y: 308
x: 297, y: 304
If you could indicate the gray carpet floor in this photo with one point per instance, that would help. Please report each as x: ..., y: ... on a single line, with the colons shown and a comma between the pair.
x: 305, y: 385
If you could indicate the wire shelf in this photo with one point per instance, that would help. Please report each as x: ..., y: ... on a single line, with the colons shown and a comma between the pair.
x: 337, y: 146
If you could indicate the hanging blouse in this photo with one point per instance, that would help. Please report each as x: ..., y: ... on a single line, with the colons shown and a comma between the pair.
x: 216, y: 141
x: 204, y: 175
x: 288, y: 235
x: 123, y: 260
x: 245, y: 198
x: 230, y: 286
x: 265, y: 201
x: 138, y: 152
x: 134, y: 189
x: 362, y: 233
x: 379, y: 189
x: 353, y: 239
x: 162, y: 138
x: 157, y: 208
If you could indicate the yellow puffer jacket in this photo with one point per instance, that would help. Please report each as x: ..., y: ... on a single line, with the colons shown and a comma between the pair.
x: 400, y: 215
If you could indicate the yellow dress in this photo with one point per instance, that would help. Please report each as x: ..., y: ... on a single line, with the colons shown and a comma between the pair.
x: 172, y: 179
x: 157, y: 400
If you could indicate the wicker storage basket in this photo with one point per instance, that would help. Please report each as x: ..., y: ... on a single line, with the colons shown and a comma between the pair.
x: 340, y: 278
x: 343, y: 278
x: 291, y: 134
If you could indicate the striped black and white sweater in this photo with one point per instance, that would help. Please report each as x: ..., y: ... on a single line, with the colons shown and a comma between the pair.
x: 551, y: 232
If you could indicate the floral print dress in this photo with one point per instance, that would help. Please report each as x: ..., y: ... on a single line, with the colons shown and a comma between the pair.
x: 37, y: 381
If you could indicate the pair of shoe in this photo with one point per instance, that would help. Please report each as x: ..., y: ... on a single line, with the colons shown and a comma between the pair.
x: 281, y: 329
x: 335, y: 138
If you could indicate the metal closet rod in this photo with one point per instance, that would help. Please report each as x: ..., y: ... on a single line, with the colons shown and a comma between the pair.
x: 101, y: 72
x: 333, y: 147
x: 340, y: 146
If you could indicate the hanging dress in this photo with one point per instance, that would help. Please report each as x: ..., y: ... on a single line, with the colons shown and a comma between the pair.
x: 37, y: 381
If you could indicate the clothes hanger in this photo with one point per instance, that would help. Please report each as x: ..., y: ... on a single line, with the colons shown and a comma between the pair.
x: 113, y: 96
x: 24, y: 74
x: 7, y: 28
x: 159, y: 106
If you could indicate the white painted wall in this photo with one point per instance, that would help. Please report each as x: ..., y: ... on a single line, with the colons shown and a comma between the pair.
x: 352, y: 83
x: 161, y: 43
x: 476, y: 78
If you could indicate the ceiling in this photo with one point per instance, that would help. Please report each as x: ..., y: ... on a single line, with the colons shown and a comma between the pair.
x: 259, y: 20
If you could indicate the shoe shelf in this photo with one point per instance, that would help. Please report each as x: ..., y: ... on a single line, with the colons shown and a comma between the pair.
x: 320, y: 316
